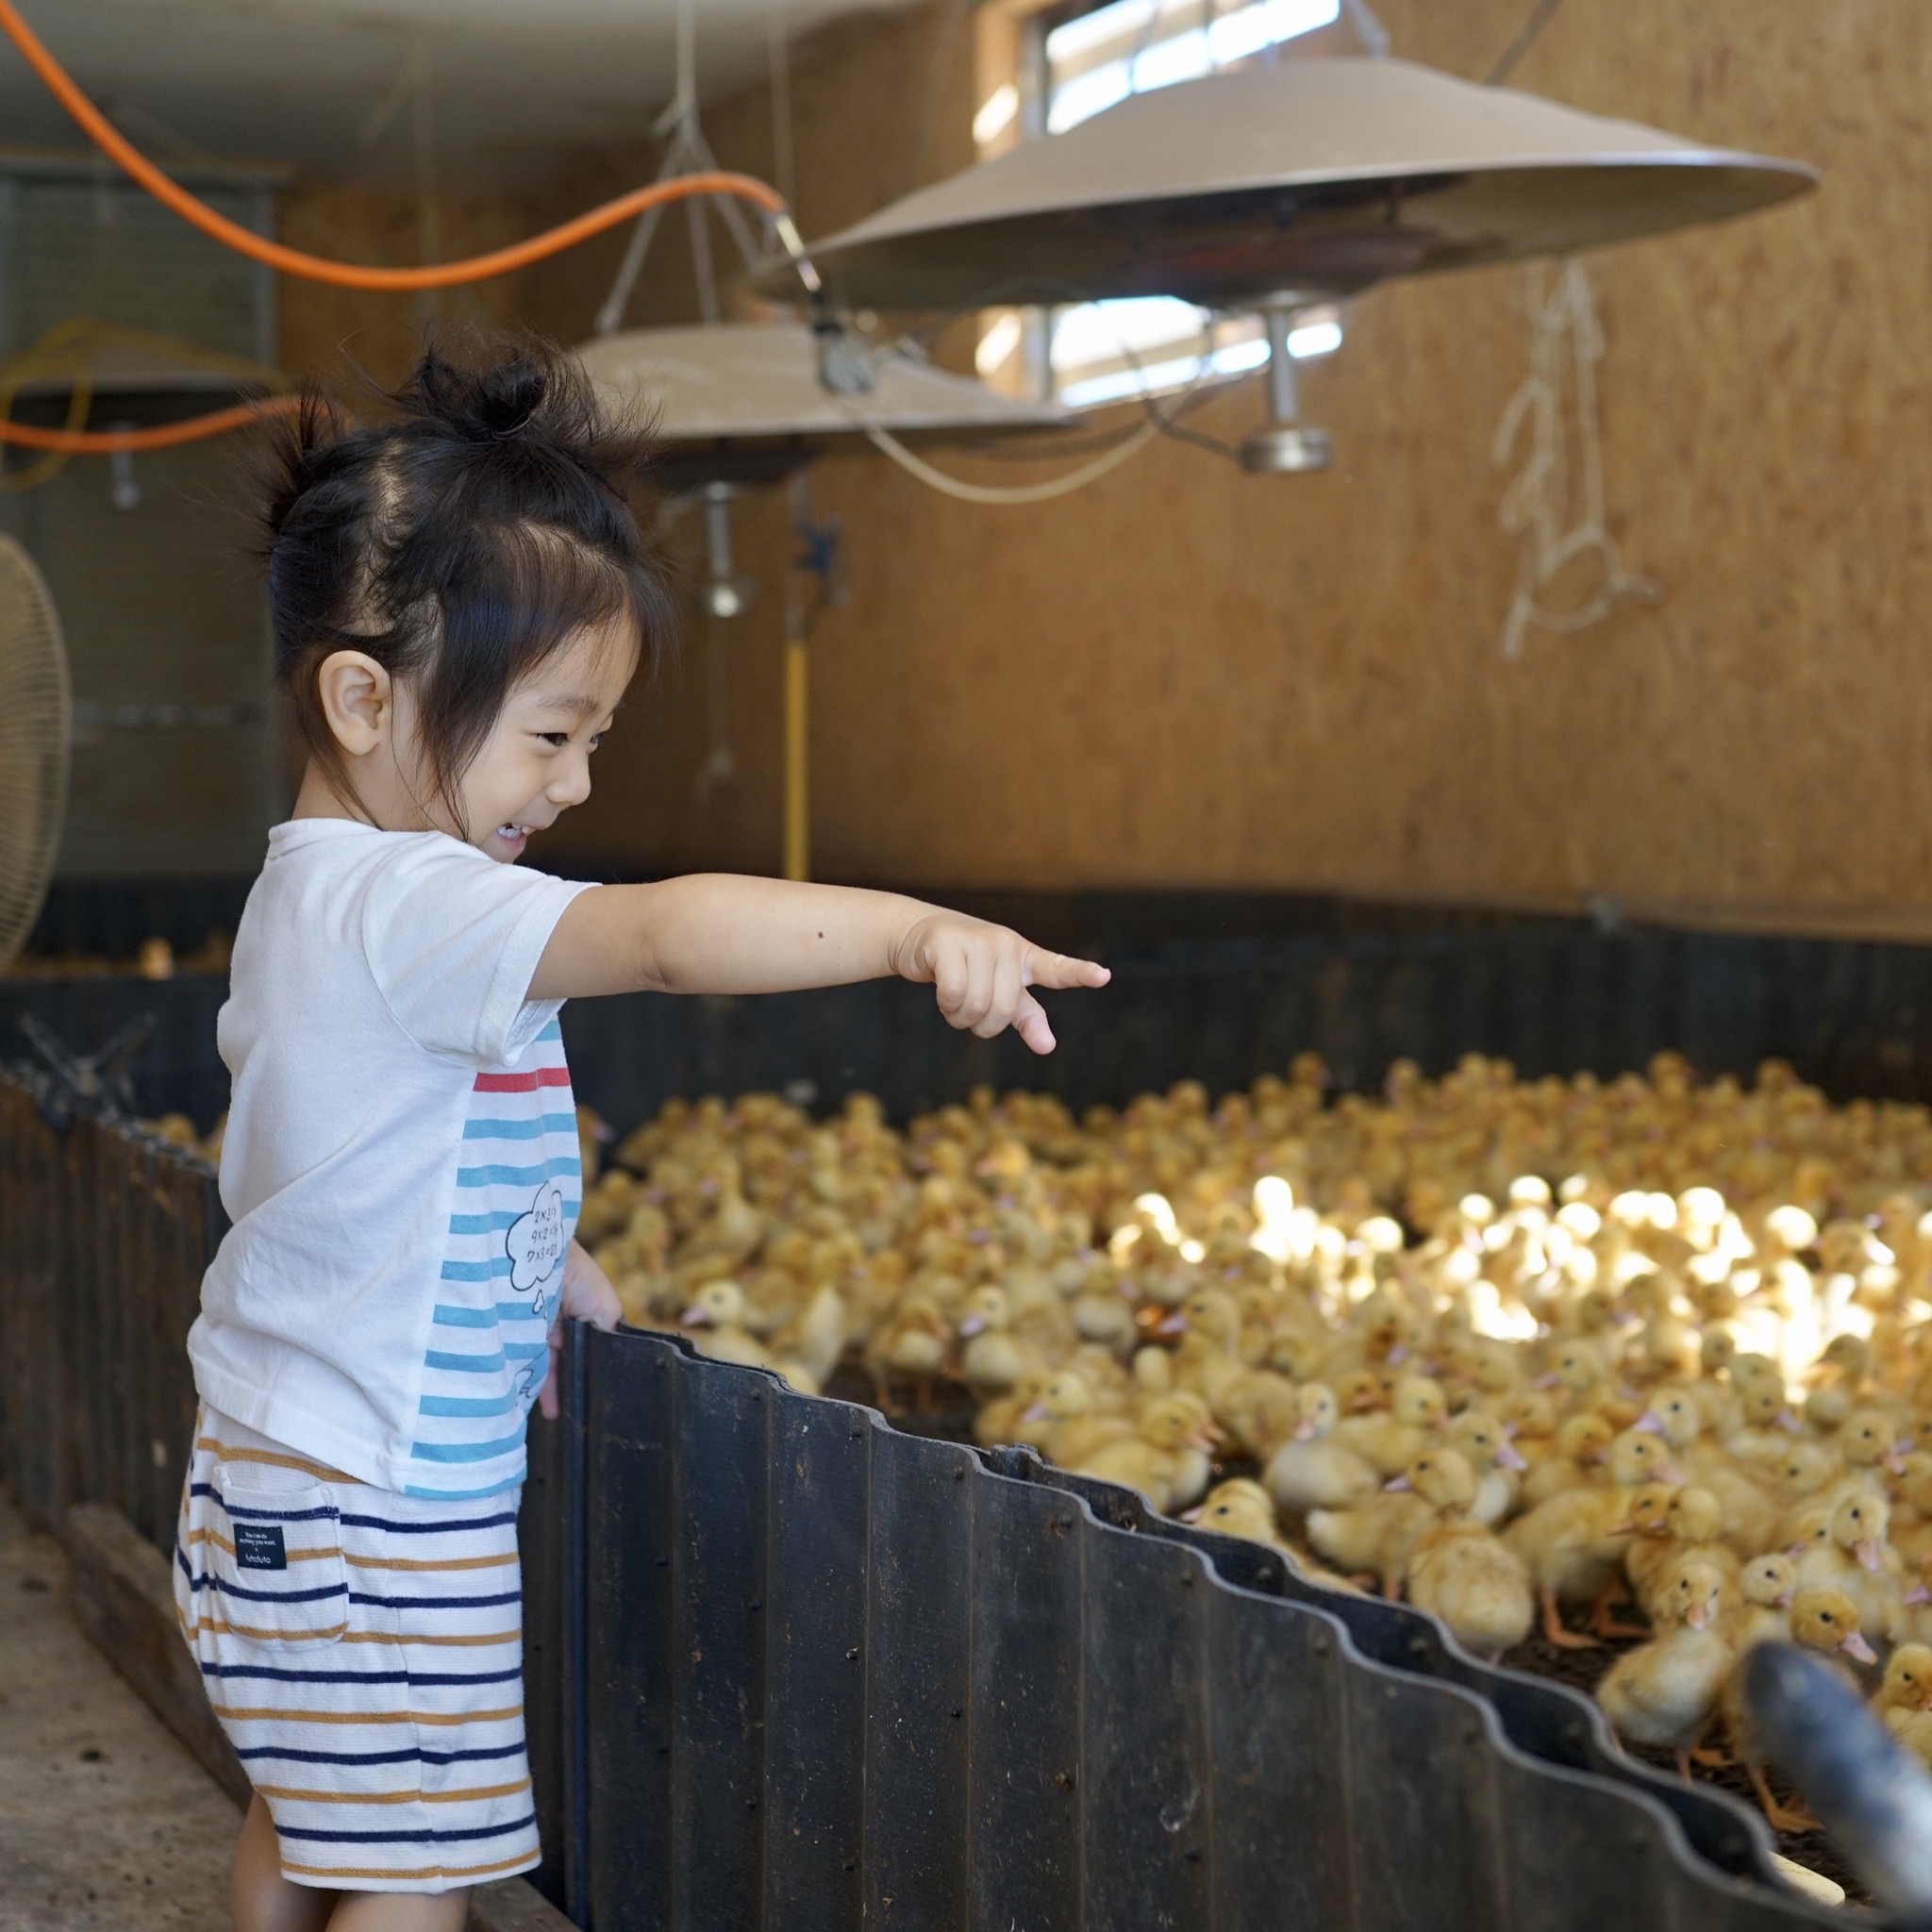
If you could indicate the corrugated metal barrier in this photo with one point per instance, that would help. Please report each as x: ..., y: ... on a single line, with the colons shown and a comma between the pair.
x: 1855, y: 1018
x: 793, y: 1669
x: 104, y: 1234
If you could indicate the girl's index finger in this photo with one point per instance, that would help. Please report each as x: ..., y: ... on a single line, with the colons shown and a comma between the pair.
x: 1060, y: 970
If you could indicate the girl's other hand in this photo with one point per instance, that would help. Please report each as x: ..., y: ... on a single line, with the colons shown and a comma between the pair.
x: 981, y: 973
x: 587, y: 1296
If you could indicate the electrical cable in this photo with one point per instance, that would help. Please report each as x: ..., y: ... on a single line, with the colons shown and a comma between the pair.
x: 244, y: 242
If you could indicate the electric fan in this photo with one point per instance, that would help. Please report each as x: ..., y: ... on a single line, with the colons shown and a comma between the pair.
x: 35, y: 705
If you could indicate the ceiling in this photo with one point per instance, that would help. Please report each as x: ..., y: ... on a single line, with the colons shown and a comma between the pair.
x: 515, y: 85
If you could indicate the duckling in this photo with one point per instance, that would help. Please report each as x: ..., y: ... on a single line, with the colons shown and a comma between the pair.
x: 1663, y: 1693
x: 992, y: 1360
x: 1313, y: 1471
x: 1766, y: 1587
x: 806, y: 1349
x: 1749, y: 1513
x: 911, y: 1347
x: 1767, y: 1427
x: 1238, y: 1507
x: 1156, y: 1459
x: 1906, y: 1686
x: 1376, y: 1538
x: 1693, y: 1522
x: 1572, y: 1545
x: 718, y: 1310
x: 1903, y: 1699
x: 1825, y: 1621
x: 1069, y: 1430
x: 1001, y: 1420
x: 1582, y: 1442
x: 1530, y: 1418
x: 1496, y: 1461
x: 1462, y: 1572
x: 1856, y: 1561
x: 1391, y: 1442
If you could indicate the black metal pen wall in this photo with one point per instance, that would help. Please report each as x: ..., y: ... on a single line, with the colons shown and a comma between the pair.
x: 103, y: 1235
x: 1855, y: 1018
x: 793, y: 1669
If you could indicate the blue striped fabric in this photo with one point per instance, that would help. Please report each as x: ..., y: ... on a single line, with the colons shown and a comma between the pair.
x: 519, y: 1185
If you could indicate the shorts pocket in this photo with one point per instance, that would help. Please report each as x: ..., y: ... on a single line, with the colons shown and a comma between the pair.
x: 275, y: 1556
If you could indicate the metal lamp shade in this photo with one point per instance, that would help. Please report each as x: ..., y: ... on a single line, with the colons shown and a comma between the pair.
x: 743, y: 403
x: 1312, y: 179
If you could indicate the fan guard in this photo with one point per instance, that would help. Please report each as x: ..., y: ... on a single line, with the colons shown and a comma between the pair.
x: 35, y: 716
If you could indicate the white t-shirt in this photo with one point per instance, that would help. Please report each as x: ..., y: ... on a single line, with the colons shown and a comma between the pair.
x: 401, y: 1160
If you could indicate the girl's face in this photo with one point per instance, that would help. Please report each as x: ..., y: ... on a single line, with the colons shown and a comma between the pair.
x: 536, y: 763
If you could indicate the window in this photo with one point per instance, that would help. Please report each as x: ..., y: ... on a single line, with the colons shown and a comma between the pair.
x: 1075, y: 67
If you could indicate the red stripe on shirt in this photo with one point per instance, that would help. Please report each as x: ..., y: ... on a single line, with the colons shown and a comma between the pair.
x: 523, y: 1083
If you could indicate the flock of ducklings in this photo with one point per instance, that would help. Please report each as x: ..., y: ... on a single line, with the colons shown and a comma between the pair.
x: 1536, y: 1355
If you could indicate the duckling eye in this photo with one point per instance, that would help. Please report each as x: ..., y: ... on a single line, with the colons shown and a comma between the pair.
x: 1827, y: 1616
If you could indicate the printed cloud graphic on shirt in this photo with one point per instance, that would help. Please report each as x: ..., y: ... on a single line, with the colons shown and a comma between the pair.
x: 535, y: 1244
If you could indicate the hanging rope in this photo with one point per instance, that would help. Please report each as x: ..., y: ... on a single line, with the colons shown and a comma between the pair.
x: 1566, y: 345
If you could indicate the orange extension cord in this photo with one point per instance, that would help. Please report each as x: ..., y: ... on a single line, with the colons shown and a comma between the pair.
x: 316, y: 268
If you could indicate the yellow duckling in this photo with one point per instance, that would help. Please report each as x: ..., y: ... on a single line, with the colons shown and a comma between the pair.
x: 717, y: 1310
x: 805, y: 1350
x: 1166, y: 1459
x: 1069, y: 1427
x: 1000, y: 1420
x: 1766, y: 1586
x: 1239, y: 1506
x: 1825, y: 1621
x: 1662, y: 1694
x: 1390, y: 1441
x: 993, y: 1360
x: 1462, y: 1572
x: 1576, y: 1461
x: 1376, y: 1538
x: 1904, y: 1698
x: 1496, y: 1461
x: 1749, y: 1512
x: 1857, y: 1559
x: 910, y: 1347
x: 1313, y: 1471
x: 1694, y: 1526
x: 1573, y: 1548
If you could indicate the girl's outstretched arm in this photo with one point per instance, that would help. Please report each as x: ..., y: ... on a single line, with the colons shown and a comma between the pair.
x: 717, y: 932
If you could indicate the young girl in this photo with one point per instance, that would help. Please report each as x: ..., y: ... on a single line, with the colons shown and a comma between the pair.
x: 459, y: 598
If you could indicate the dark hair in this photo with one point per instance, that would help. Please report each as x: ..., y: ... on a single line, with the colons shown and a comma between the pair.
x: 459, y: 542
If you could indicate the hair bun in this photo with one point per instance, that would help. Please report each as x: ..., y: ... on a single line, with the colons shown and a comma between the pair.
x: 486, y: 405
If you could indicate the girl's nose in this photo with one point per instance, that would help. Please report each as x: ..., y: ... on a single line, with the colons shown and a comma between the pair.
x: 572, y: 785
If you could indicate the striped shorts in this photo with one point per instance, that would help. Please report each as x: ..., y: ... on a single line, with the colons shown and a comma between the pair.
x: 363, y: 1652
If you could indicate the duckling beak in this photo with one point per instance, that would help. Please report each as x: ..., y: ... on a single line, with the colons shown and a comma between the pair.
x: 1171, y: 1325
x: 1509, y: 1456
x: 1304, y: 1431
x: 1698, y: 1616
x: 1546, y: 1380
x: 1192, y: 1515
x: 1919, y: 1594
x: 1854, y: 1645
x: 1894, y: 1461
x: 1036, y: 1413
x: 1206, y: 1440
x: 1398, y: 1355
x: 1784, y: 1602
x: 1797, y: 1550
x: 1866, y: 1550
x: 1398, y: 1482
x: 1650, y: 1423
x: 1787, y: 1421
x: 695, y: 1317
x: 972, y: 1324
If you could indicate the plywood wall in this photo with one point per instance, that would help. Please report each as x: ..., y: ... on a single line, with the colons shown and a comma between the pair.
x: 1186, y: 676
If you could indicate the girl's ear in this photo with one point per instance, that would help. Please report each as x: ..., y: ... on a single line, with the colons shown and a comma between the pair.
x: 358, y: 700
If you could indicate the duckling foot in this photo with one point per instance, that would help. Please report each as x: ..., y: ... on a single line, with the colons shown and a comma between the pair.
x: 1554, y: 1630
x: 1711, y: 1757
x: 1781, y: 1817
x: 1605, y: 1623
x: 882, y: 1399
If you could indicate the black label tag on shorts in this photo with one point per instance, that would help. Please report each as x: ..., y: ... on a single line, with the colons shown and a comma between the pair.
x: 260, y: 1546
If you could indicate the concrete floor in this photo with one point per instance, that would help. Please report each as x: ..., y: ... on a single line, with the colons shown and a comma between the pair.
x: 106, y: 1825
